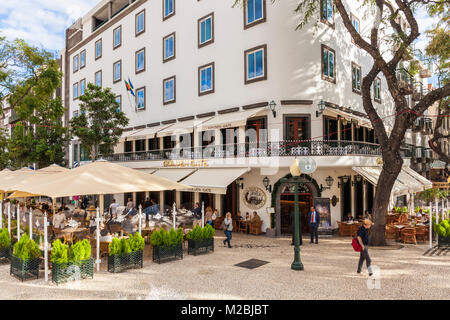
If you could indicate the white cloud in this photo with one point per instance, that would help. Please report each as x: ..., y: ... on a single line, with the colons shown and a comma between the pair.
x: 41, y: 22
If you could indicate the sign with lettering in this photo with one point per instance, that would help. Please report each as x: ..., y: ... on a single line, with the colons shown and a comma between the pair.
x: 185, y: 163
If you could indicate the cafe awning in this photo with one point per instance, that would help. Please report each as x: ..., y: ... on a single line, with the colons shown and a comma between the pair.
x: 126, y: 134
x: 427, y: 184
x: 181, y: 127
x: 230, y: 120
x: 364, y: 122
x: 148, y: 133
x: 372, y: 174
x: 213, y: 180
x: 173, y: 174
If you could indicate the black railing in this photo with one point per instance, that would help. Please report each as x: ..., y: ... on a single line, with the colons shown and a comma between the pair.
x: 269, y: 149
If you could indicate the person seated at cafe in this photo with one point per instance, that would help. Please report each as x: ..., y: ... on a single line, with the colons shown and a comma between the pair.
x: 247, y: 216
x: 59, y: 219
x: 239, y: 216
x: 151, y: 209
x: 215, y: 214
x: 113, y: 207
x: 147, y: 203
x: 45, y: 207
x: 256, y: 218
x: 367, y: 215
x: 129, y: 210
x: 127, y: 225
x: 419, y: 214
x: 348, y: 218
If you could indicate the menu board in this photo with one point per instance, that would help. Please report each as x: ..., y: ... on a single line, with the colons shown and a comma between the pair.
x: 323, y: 208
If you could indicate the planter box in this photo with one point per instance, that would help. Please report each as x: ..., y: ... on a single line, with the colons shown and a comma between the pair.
x: 24, y: 269
x: 162, y: 253
x: 72, y: 271
x: 202, y: 245
x: 121, y: 262
x: 5, y: 252
x: 444, y: 242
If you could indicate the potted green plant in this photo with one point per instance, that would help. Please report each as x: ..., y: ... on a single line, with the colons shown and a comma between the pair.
x: 126, y: 253
x: 25, y: 259
x: 443, y: 231
x: 200, y: 239
x: 71, y: 263
x: 5, y: 244
x: 167, y: 245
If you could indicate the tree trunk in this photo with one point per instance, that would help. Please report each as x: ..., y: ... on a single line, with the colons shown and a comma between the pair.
x: 93, y: 153
x: 392, y: 165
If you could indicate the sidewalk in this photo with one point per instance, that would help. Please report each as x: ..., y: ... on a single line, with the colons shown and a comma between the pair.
x: 330, y: 273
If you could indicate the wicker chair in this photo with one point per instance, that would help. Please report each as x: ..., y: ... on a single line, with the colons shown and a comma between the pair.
x: 391, y: 233
x: 422, y: 233
x: 409, y: 235
x: 345, y: 229
x: 403, y: 218
x: 242, y: 226
x: 104, y: 249
x: 115, y: 228
x: 255, y: 227
x: 218, y: 223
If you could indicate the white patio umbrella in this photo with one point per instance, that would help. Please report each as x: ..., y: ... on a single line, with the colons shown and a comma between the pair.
x: 101, y: 177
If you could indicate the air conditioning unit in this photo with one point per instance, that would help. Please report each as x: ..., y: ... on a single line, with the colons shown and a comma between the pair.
x: 425, y: 73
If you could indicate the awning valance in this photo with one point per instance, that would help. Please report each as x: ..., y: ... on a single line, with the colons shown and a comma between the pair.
x: 127, y: 134
x: 213, y: 180
x: 427, y: 184
x: 364, y: 122
x: 173, y: 174
x: 182, y: 127
x: 148, y: 132
x: 230, y: 120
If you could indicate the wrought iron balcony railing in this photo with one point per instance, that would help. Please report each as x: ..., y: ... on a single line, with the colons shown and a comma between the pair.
x: 269, y: 149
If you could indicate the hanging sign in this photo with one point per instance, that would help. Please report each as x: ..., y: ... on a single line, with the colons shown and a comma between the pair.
x: 186, y: 163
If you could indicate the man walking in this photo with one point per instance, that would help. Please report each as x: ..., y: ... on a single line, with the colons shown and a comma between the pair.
x: 197, y: 215
x: 363, y: 239
x: 313, y: 222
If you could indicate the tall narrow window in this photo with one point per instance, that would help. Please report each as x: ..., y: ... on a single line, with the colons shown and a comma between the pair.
x: 140, y: 60
x: 98, y: 49
x: 328, y: 64
x: 254, y: 12
x: 206, y: 79
x: 98, y: 78
x: 117, y: 39
x: 169, y: 47
x: 117, y: 71
x: 327, y: 12
x: 256, y: 64
x: 83, y: 59
x: 140, y: 22
x: 75, y: 63
x: 75, y: 91
x: 82, y: 86
x: 140, y: 99
x: 168, y: 8
x: 169, y: 90
x: 119, y: 102
x: 356, y: 25
x: 377, y: 90
x: 206, y: 30
x: 356, y: 78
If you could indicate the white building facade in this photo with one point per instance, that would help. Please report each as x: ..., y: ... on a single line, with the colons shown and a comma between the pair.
x: 227, y: 96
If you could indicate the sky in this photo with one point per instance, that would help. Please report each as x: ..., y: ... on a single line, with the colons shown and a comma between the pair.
x: 43, y: 22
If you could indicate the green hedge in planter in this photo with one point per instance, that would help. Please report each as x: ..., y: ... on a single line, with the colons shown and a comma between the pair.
x: 5, y: 244
x: 126, y: 253
x: 70, y: 264
x: 25, y: 259
x: 443, y: 231
x: 167, y: 245
x: 200, y: 239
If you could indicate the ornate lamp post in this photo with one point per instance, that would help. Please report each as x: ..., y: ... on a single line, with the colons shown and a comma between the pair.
x: 295, y: 172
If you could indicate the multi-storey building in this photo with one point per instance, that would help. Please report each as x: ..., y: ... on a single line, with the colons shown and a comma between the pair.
x: 226, y: 97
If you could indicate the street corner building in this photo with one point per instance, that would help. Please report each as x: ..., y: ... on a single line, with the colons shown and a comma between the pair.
x: 223, y: 98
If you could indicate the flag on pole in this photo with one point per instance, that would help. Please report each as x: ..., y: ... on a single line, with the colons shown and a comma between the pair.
x: 129, y: 87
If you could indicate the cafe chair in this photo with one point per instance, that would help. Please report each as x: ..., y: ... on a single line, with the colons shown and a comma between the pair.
x: 255, y: 227
x: 403, y: 218
x: 242, y: 226
x: 115, y: 228
x: 391, y: 233
x: 409, y: 235
x: 422, y: 233
x: 344, y: 229
x: 104, y: 248
x: 57, y: 233
x: 218, y: 223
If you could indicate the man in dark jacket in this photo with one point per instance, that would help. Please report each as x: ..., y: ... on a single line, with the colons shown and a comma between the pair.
x: 197, y: 214
x: 363, y: 239
x: 314, y: 222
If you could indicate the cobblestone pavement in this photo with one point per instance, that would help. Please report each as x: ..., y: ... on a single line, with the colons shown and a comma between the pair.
x: 330, y: 273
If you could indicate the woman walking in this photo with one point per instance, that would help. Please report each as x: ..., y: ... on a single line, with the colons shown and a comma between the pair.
x: 228, y: 228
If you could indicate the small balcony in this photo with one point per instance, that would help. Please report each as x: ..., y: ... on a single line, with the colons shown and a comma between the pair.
x: 270, y: 149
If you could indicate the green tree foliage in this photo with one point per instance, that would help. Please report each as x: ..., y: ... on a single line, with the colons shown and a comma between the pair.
x: 4, y: 156
x: 163, y: 238
x: 199, y: 233
x: 132, y: 244
x: 60, y: 252
x: 100, y: 124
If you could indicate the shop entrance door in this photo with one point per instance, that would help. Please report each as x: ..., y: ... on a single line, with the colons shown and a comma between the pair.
x: 287, y: 211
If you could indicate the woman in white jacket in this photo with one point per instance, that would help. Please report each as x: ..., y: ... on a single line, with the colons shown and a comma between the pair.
x: 228, y: 228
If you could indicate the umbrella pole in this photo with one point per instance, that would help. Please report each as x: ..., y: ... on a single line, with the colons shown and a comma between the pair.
x: 203, y: 214
x: 31, y: 222
x: 174, y: 216
x: 1, y: 213
x: 9, y: 218
x: 45, y: 247
x: 97, y: 220
x: 436, y: 201
x: 18, y: 220
x: 140, y: 219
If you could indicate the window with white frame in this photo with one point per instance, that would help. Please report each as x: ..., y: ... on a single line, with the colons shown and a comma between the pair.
x: 169, y: 90
x: 377, y: 89
x: 117, y: 68
x: 327, y: 11
x: 83, y: 59
x: 75, y: 63
x: 140, y: 60
x: 169, y: 47
x: 356, y: 78
x: 256, y: 64
x: 140, y: 22
x: 168, y: 8
x: 206, y: 30
x: 255, y: 12
x: 328, y: 64
x: 98, y: 49
x: 98, y: 78
x: 140, y: 99
x: 206, y: 79
x: 117, y: 41
x: 75, y: 91
x: 82, y: 86
x: 119, y: 102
